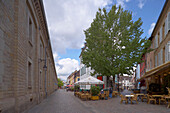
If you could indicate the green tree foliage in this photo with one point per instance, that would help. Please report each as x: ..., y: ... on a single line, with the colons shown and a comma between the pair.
x: 95, y: 90
x: 113, y: 42
x: 60, y: 82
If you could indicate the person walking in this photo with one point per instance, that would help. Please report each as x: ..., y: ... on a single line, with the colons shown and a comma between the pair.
x: 110, y: 92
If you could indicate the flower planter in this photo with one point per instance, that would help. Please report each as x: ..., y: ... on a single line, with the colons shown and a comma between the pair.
x: 94, y: 97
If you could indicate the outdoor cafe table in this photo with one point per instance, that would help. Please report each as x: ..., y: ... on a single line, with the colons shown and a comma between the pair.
x: 157, y: 97
x: 84, y: 96
x: 129, y: 97
x: 168, y: 97
x: 139, y: 95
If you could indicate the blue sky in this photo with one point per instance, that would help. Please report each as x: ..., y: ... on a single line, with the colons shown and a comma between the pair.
x: 68, y: 18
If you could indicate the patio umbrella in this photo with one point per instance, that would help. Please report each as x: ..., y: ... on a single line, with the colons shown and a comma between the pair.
x: 89, y: 81
x: 69, y: 85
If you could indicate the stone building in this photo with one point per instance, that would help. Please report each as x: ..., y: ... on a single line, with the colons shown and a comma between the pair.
x: 158, y: 60
x: 27, y: 69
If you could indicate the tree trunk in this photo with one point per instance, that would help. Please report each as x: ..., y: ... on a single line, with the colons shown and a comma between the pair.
x: 114, y: 83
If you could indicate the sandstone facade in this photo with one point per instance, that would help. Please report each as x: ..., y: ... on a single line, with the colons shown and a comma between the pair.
x: 27, y: 69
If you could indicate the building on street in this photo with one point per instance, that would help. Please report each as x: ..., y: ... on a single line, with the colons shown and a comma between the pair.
x: 73, y: 77
x: 157, y: 62
x: 27, y: 69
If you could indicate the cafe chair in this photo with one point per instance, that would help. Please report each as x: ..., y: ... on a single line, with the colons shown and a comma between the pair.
x: 135, y: 98
x: 123, y: 98
x: 145, y: 97
x: 162, y: 99
x: 83, y: 96
x: 150, y: 98
x: 102, y: 96
x: 113, y: 94
x: 88, y: 96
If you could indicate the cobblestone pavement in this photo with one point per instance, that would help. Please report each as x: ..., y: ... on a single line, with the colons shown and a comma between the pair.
x: 65, y: 102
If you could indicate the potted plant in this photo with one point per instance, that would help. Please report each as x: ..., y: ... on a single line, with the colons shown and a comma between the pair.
x: 95, y: 91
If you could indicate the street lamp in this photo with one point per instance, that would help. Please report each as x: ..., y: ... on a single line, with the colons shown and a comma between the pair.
x: 118, y: 82
x: 45, y: 67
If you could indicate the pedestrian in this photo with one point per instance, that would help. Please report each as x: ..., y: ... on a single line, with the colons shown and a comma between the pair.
x: 102, y: 92
x: 110, y: 92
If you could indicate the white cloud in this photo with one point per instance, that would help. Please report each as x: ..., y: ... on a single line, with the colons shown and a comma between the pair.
x: 56, y: 57
x: 121, y: 2
x: 66, y: 66
x: 127, y: 0
x: 151, y: 28
x: 141, y: 3
x: 66, y: 21
x: 68, y: 18
x: 63, y: 77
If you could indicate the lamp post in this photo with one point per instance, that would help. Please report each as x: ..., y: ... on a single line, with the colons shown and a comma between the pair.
x: 45, y: 67
x: 118, y: 82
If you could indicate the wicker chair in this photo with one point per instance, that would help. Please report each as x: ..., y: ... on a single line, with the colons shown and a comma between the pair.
x: 113, y: 94
x: 135, y: 98
x: 83, y: 96
x: 88, y: 96
x: 145, y: 97
x: 162, y: 99
x: 102, y: 96
x: 106, y: 93
x: 123, y: 98
x: 150, y: 98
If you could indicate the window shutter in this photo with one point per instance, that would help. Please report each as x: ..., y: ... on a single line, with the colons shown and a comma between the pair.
x: 156, y: 61
x: 159, y: 58
x: 156, y: 41
x: 161, y: 52
x: 166, y: 27
x: 168, y: 50
x: 160, y: 38
x: 166, y: 53
x: 168, y: 22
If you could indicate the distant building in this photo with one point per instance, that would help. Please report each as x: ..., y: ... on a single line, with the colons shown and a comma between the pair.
x: 125, y: 82
x: 137, y: 76
x: 27, y: 68
x: 73, y: 77
x: 77, y: 76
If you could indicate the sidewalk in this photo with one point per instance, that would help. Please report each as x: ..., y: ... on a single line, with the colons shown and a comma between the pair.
x: 62, y: 102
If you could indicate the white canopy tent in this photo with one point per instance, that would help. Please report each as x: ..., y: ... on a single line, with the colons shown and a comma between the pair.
x: 89, y: 81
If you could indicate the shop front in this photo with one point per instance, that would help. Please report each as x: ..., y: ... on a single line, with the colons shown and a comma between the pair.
x: 157, y: 79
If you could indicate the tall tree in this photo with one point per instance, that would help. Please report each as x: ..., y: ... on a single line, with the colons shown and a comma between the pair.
x: 60, y: 82
x: 113, y: 43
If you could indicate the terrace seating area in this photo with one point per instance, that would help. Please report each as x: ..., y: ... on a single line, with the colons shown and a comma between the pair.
x: 132, y: 98
x: 87, y: 95
x: 156, y: 99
